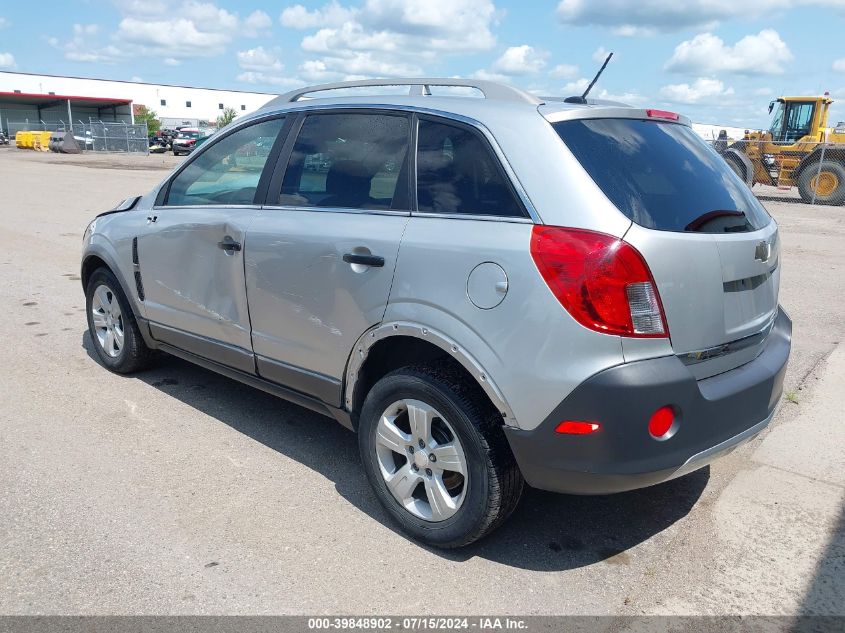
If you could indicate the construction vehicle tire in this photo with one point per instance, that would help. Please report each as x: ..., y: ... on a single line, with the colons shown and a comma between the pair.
x: 827, y: 183
x: 740, y: 164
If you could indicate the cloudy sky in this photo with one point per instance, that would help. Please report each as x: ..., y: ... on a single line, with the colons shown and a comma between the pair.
x: 719, y: 61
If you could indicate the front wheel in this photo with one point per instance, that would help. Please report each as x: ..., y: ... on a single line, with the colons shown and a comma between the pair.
x: 435, y: 454
x: 825, y: 182
x: 112, y: 326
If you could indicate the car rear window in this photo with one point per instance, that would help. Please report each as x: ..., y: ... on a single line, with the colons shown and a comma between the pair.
x: 663, y: 175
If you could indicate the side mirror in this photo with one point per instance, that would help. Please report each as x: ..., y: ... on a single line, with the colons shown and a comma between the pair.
x: 771, y: 106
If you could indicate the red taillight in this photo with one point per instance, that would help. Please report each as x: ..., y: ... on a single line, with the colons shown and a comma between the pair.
x: 577, y: 427
x: 663, y: 114
x: 661, y: 423
x: 603, y: 282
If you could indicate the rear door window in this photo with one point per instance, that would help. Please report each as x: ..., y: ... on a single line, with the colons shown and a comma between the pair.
x: 663, y: 175
x: 457, y: 173
x: 349, y: 160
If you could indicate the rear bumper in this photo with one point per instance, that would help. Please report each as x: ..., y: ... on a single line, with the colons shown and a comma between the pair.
x: 717, y: 414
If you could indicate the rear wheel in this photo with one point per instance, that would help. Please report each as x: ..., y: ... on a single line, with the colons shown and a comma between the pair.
x: 436, y: 456
x: 827, y: 183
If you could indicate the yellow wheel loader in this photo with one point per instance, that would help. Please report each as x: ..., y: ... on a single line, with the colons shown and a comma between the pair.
x: 798, y: 150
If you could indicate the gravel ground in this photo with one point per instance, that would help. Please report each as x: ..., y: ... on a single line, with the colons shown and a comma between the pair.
x: 181, y: 492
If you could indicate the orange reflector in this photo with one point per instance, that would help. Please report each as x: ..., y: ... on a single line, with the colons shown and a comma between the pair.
x: 661, y: 422
x: 575, y: 427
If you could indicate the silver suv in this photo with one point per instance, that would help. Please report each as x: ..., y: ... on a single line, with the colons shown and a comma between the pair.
x: 490, y: 288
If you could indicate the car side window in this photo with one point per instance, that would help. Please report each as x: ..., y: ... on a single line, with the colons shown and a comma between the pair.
x: 458, y: 173
x: 228, y: 171
x: 349, y: 160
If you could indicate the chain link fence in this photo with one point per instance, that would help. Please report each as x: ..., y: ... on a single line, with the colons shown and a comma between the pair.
x: 809, y: 172
x: 94, y: 136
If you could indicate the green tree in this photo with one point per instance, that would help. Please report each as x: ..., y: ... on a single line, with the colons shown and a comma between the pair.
x: 229, y: 115
x: 144, y: 115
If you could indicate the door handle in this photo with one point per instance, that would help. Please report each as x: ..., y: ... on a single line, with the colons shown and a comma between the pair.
x: 151, y: 219
x: 365, y: 260
x: 228, y: 244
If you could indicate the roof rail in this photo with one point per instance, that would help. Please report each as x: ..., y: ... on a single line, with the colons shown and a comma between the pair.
x: 420, y: 86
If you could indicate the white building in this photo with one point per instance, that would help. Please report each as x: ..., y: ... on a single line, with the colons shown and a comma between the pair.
x: 27, y: 96
x: 710, y: 132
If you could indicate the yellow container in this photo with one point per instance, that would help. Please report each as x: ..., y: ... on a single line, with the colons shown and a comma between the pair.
x: 33, y: 140
x: 23, y: 140
x: 41, y: 141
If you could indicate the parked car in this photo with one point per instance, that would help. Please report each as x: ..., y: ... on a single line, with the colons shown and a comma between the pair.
x: 4, y: 140
x: 580, y: 297
x: 185, y: 141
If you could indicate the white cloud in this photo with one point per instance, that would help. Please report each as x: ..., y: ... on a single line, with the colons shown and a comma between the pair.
x: 142, y: 7
x: 136, y: 79
x: 316, y: 70
x: 564, y: 71
x: 358, y: 64
x: 576, y: 87
x: 600, y: 54
x: 451, y: 24
x: 85, y: 29
x: 630, y: 97
x: 259, y: 59
x: 521, y: 60
x: 4, y: 23
x: 257, y: 23
x: 839, y: 65
x: 701, y: 89
x: 629, y: 30
x: 208, y: 16
x: 389, y: 37
x: 648, y: 16
x: 251, y: 77
x: 486, y: 75
x: 7, y: 60
x: 331, y: 15
x: 170, y: 31
x: 764, y: 53
x: 264, y: 67
x: 179, y: 38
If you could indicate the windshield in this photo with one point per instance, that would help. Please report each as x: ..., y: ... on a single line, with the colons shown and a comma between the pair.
x: 663, y: 175
x: 188, y: 135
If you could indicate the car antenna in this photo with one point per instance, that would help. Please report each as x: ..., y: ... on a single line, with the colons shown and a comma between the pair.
x: 583, y: 97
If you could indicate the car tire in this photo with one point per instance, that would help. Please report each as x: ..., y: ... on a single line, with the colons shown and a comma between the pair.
x: 114, y: 331
x: 830, y: 180
x: 433, y: 501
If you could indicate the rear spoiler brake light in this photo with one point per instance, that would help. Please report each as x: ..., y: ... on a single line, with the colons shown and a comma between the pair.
x: 662, y: 114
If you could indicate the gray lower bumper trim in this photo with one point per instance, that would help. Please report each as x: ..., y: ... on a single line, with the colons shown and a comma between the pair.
x: 699, y: 460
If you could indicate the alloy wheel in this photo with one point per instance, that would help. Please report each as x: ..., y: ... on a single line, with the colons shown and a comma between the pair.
x: 108, y: 320
x: 421, y: 460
